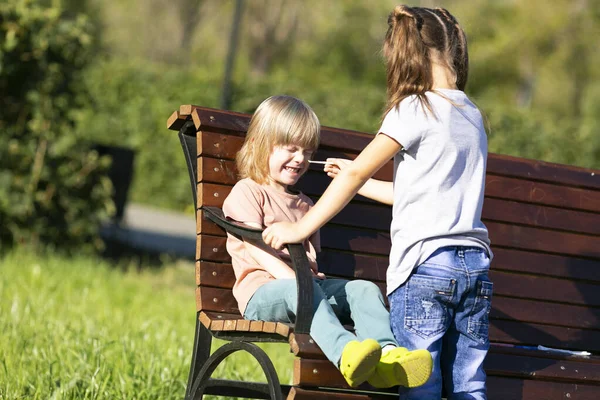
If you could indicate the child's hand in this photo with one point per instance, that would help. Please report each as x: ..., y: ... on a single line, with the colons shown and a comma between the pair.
x: 320, y: 275
x: 335, y: 165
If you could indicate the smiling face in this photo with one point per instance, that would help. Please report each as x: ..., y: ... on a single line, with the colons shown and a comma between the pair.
x: 287, y: 163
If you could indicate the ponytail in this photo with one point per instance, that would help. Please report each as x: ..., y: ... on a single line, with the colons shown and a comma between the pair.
x: 414, y: 37
x: 408, y: 63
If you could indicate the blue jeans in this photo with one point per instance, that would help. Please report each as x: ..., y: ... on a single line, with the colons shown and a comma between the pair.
x: 336, y: 302
x: 443, y: 307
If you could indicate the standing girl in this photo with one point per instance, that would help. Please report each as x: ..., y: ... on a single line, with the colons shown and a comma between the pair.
x: 282, y: 137
x: 437, y: 280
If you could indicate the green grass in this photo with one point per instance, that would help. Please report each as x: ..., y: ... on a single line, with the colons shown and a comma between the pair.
x: 81, y: 328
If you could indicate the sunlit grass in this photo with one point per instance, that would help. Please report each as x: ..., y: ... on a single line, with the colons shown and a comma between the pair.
x: 81, y: 328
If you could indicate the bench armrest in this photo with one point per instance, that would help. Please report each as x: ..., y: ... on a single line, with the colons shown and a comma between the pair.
x: 304, y: 278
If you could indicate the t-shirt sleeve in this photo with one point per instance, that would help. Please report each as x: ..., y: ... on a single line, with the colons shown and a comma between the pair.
x: 403, y: 124
x: 244, y: 204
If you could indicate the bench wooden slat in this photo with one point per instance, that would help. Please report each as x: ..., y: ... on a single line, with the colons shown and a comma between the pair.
x: 216, y: 170
x: 310, y: 372
x: 545, y: 264
x: 227, y: 322
x: 502, y: 234
x: 206, y: 226
x: 237, y: 124
x: 501, y: 388
x: 305, y: 394
x: 215, y: 299
x: 542, y: 193
x: 544, y: 288
x: 211, y: 248
x: 539, y: 312
x: 519, y: 333
x: 567, y: 175
x: 570, y: 370
x: 212, y: 195
x: 215, y: 320
x: 175, y: 121
x: 304, y: 346
x: 539, y: 216
x: 526, y: 238
x: 218, y: 145
x: 214, y: 274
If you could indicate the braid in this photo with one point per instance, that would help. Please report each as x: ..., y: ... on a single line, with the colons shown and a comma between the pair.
x: 457, y: 49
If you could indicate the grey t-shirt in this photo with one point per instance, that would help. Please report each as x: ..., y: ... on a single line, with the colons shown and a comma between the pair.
x: 439, y: 179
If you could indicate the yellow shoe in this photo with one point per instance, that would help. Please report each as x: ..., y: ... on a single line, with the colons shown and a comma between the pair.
x: 359, y: 360
x: 402, y: 367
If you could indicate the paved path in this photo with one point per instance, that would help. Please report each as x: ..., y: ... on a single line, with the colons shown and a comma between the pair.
x: 155, y: 230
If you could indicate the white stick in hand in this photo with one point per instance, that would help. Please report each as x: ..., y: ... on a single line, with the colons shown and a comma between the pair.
x: 319, y: 162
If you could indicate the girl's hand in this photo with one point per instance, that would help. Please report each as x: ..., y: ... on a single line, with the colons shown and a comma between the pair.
x: 335, y: 165
x: 281, y: 233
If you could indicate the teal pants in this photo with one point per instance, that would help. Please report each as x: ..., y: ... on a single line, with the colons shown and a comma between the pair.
x: 336, y: 302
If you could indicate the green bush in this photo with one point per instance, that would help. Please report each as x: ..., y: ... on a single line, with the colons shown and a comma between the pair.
x: 131, y: 102
x: 53, y: 188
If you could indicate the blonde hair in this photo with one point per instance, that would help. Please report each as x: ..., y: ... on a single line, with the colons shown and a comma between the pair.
x: 415, y: 35
x: 278, y: 121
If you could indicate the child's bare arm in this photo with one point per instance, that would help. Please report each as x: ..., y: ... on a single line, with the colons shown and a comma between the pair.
x: 266, y: 257
x: 373, y: 189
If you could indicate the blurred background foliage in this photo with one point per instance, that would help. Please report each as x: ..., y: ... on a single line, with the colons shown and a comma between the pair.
x: 79, y: 71
x: 53, y: 187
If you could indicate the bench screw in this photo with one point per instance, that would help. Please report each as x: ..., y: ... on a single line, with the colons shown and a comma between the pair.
x: 216, y: 169
x: 315, y: 371
x: 214, y: 273
x: 215, y: 300
x: 561, y: 367
x: 216, y: 194
x: 215, y: 249
x: 311, y: 341
x: 568, y: 395
x: 216, y: 144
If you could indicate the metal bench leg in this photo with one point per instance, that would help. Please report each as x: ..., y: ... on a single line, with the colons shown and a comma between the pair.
x: 200, y: 354
x: 203, y: 378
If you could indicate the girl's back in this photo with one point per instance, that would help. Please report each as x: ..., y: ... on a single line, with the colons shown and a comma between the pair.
x: 438, y: 179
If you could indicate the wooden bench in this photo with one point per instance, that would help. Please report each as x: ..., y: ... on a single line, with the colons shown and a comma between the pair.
x: 544, y: 223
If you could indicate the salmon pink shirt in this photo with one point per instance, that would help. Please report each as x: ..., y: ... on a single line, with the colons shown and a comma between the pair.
x: 263, y: 205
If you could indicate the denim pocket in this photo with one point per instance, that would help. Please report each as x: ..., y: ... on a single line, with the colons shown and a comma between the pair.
x: 427, y: 301
x: 479, y: 321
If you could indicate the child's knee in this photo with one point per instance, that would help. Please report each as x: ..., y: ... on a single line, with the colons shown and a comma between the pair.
x: 363, y: 289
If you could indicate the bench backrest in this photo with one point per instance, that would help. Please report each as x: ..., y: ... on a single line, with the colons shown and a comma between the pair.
x: 543, y: 218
